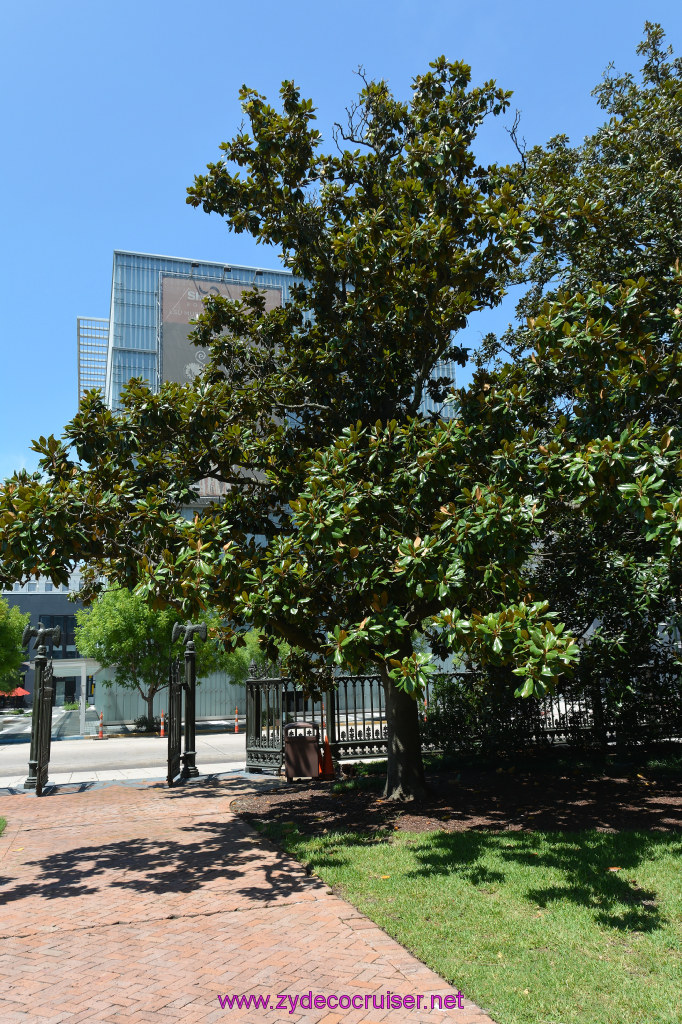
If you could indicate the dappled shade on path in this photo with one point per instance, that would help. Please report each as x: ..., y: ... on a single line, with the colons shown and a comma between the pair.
x: 135, y: 902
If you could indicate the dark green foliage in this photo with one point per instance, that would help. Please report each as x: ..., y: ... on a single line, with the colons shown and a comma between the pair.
x: 478, y: 714
x: 605, y: 279
x: 146, y: 724
x: 353, y: 524
x: 12, y: 654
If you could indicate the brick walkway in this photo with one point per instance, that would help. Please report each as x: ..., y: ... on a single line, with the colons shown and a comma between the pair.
x: 136, y: 904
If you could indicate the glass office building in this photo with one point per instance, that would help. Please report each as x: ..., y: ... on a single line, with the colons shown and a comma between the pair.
x: 153, y: 298
x: 93, y: 345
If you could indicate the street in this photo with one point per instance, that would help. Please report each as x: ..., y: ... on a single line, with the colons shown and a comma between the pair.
x: 124, y: 752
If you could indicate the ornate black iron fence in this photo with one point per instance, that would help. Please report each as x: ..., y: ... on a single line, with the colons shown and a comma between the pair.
x: 360, y: 717
x: 469, y: 711
x: 264, y: 724
x: 41, y: 722
x: 353, y: 716
x: 477, y: 711
x: 174, y: 722
x: 44, y: 729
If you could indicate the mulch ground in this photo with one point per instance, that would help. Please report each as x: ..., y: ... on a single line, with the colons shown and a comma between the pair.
x: 483, y: 799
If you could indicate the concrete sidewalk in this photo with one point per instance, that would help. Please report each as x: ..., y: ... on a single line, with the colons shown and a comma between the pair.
x: 15, y: 783
x: 120, y: 757
x: 134, y: 904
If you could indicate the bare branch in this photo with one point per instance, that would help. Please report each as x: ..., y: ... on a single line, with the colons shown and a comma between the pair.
x: 519, y: 145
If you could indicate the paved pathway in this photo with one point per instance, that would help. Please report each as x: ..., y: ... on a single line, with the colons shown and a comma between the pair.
x: 133, y: 904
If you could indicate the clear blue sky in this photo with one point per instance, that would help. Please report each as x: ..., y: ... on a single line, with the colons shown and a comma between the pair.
x: 110, y: 109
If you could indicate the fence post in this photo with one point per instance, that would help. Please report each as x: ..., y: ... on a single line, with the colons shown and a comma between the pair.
x: 330, y: 715
x: 36, y: 768
x: 598, y: 715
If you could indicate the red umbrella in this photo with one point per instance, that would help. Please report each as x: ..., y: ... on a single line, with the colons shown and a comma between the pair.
x: 19, y: 692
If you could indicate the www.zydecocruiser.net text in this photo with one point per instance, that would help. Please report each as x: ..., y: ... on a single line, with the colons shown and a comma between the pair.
x: 385, y: 1001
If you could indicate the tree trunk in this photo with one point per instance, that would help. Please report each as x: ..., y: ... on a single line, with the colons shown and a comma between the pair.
x: 405, y: 769
x: 150, y: 708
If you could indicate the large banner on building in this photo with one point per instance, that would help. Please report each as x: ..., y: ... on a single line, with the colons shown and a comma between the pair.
x: 182, y: 301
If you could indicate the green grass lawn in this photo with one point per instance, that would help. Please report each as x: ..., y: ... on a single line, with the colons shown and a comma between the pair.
x: 3, y: 822
x: 533, y: 927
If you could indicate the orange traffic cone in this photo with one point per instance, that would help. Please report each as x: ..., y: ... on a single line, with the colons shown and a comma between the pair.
x: 101, y: 726
x: 236, y: 720
x: 162, y: 725
x: 326, y: 763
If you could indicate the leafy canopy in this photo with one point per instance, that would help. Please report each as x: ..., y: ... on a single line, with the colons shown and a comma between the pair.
x: 121, y: 630
x: 604, y: 297
x: 396, y: 241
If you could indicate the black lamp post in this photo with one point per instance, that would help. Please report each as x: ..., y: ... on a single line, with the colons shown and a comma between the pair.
x: 187, y: 632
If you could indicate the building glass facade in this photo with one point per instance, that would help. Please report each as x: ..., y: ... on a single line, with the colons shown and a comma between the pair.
x: 443, y: 368
x: 93, y: 345
x: 152, y: 300
x: 137, y: 326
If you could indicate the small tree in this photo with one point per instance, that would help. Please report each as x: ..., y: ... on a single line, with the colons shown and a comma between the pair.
x: 120, y: 630
x: 12, y: 624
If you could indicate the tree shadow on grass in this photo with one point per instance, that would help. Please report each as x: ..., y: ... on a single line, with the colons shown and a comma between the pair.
x: 584, y: 862
x: 581, y: 865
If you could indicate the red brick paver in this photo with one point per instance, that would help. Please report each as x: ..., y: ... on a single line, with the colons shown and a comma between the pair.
x: 133, y: 904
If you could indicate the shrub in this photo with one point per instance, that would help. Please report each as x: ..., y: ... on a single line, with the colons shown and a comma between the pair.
x: 146, y: 724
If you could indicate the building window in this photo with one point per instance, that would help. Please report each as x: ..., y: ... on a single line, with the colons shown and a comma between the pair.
x: 48, y: 587
x: 17, y: 586
x: 32, y: 587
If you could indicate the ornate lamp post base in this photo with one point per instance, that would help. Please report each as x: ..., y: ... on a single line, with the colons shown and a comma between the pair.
x: 189, y: 768
x: 32, y: 779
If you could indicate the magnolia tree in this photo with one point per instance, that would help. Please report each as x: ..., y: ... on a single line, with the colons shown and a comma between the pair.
x: 395, y: 242
x: 353, y: 526
x: 608, y: 213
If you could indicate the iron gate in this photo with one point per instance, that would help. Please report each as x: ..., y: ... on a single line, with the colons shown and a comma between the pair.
x: 44, y: 729
x: 353, y: 716
x: 174, y: 722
